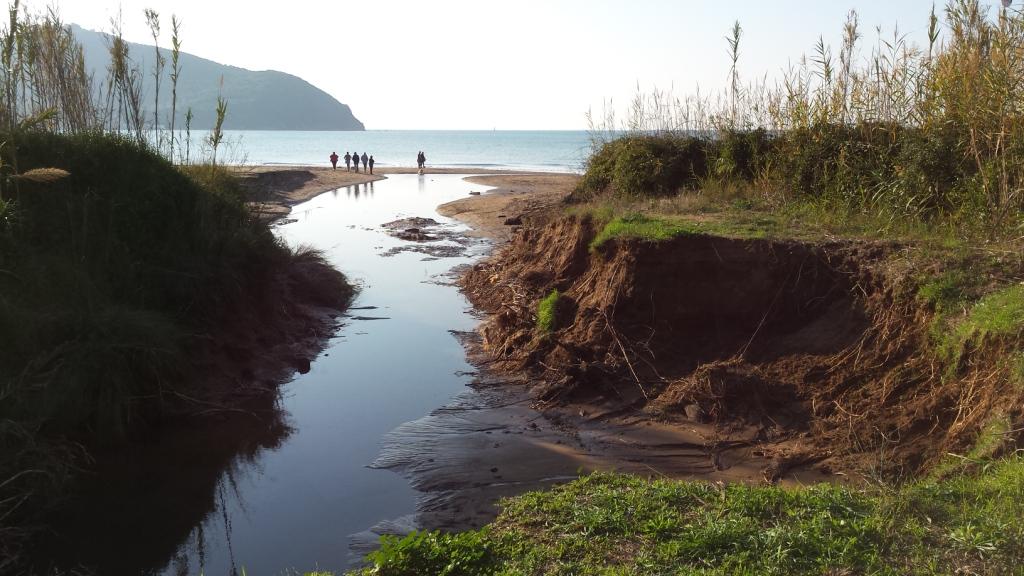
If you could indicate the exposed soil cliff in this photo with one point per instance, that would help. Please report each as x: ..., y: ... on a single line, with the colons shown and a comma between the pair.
x: 822, y: 346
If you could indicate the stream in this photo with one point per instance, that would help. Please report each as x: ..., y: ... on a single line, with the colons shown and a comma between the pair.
x: 289, y: 492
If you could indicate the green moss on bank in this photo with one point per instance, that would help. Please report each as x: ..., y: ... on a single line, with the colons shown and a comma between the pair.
x: 611, y: 524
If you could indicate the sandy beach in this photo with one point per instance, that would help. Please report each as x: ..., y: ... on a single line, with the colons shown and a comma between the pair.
x: 518, y: 196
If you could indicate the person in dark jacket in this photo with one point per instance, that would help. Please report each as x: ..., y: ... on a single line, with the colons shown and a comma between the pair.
x: 371, y: 163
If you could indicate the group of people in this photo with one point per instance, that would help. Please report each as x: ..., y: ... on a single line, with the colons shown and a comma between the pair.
x: 352, y: 161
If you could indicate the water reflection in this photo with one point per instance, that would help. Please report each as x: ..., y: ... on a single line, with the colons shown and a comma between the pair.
x: 270, y: 494
x: 148, y: 498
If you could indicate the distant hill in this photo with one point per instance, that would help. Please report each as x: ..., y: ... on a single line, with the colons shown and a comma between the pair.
x: 266, y: 100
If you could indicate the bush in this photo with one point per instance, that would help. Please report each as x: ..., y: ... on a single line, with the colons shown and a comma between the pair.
x: 643, y: 166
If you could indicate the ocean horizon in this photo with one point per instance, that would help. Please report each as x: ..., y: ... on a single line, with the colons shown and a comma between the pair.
x: 533, y: 150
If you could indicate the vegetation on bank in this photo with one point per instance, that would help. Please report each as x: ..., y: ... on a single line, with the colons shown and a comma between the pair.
x: 967, y: 523
x: 912, y: 135
x: 119, y: 270
x: 113, y: 280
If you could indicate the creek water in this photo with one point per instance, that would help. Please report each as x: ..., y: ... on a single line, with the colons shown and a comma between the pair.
x: 288, y: 495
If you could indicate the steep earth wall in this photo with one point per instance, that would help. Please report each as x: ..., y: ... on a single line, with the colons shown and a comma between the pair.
x: 821, y: 342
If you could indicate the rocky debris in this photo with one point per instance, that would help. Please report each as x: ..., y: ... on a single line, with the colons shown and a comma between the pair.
x: 413, y: 222
x: 415, y: 235
x: 514, y: 221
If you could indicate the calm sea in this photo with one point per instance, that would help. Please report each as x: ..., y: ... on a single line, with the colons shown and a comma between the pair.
x: 548, y: 151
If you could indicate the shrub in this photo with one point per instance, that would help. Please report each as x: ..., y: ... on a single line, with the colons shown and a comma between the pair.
x: 643, y: 166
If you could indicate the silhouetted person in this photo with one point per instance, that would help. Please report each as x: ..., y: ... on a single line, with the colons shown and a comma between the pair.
x: 371, y: 163
x: 334, y: 160
x: 355, y: 161
x: 348, y: 160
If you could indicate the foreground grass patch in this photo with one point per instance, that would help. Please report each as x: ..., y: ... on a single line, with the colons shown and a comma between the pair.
x: 611, y: 524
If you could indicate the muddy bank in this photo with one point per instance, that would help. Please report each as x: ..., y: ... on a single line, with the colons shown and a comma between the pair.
x: 820, y: 348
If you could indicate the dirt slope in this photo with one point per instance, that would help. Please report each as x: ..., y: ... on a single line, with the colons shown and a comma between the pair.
x: 821, y: 343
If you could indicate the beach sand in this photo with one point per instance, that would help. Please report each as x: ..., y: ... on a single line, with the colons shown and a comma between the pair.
x: 518, y: 198
x: 273, y: 190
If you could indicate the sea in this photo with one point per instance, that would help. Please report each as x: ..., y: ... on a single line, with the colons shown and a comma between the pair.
x: 543, y: 151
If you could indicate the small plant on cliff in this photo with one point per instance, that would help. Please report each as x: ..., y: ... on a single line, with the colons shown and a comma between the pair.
x: 547, y: 309
x: 999, y: 315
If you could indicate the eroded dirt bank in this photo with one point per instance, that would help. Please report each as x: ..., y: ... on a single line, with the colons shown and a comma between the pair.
x: 814, y: 355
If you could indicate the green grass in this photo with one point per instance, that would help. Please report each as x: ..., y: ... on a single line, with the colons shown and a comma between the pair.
x: 947, y: 292
x: 625, y: 525
x: 997, y: 316
x: 547, y: 310
x: 643, y: 227
x: 1017, y: 369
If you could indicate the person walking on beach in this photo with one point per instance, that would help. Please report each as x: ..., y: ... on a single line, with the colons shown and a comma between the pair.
x: 334, y: 160
x: 371, y: 163
x: 348, y: 159
x: 365, y: 160
x: 355, y: 161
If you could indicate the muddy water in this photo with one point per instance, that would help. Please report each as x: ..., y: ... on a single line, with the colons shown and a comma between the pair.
x: 288, y: 489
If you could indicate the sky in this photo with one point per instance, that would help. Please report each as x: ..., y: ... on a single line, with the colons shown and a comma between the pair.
x: 483, y: 64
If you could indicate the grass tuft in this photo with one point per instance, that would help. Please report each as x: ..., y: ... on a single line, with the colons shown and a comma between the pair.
x: 547, y: 312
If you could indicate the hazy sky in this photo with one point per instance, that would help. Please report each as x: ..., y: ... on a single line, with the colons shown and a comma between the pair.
x: 482, y: 64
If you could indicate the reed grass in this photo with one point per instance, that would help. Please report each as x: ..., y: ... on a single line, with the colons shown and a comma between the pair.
x: 931, y: 134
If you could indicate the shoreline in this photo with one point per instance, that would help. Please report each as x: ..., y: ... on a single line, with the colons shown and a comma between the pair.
x: 272, y: 190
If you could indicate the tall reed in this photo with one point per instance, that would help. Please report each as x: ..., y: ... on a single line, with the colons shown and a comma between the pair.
x: 928, y: 133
